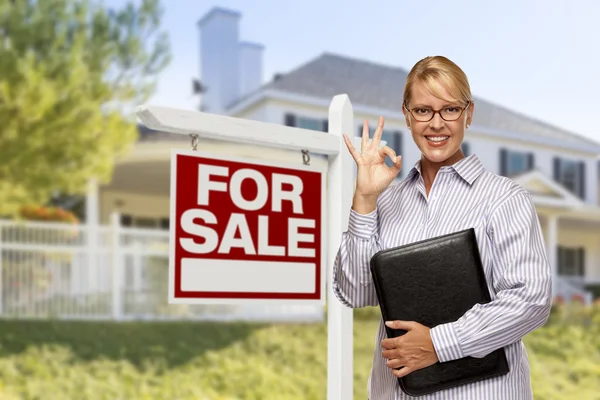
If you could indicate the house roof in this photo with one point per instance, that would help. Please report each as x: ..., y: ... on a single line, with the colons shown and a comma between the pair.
x: 382, y: 86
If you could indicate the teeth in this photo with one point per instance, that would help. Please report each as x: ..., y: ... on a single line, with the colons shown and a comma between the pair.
x: 436, y: 138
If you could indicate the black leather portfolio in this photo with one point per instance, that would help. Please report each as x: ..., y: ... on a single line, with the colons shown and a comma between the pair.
x: 432, y: 282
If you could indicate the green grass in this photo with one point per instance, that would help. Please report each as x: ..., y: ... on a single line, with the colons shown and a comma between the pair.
x: 49, y: 360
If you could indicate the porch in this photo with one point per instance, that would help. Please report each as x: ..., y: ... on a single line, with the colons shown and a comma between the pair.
x: 139, y: 193
x: 571, y: 229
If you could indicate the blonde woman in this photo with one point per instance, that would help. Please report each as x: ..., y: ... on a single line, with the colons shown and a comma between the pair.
x: 442, y: 193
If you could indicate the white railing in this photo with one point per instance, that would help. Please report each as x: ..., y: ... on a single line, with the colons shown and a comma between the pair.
x: 63, y: 271
x: 54, y: 270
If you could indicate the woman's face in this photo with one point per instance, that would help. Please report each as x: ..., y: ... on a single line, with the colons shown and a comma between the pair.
x: 439, y: 140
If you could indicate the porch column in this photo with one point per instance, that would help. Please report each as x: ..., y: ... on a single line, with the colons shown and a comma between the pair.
x: 551, y: 244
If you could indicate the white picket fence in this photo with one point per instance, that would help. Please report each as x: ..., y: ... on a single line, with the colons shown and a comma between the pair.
x: 110, y: 272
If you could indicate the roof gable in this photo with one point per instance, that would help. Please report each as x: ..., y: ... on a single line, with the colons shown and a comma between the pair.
x: 542, y: 187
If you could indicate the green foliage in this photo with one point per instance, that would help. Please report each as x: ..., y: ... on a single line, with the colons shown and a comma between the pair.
x: 227, y: 361
x: 565, y: 354
x: 70, y: 71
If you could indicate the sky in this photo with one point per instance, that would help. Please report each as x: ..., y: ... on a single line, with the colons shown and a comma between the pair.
x: 536, y: 57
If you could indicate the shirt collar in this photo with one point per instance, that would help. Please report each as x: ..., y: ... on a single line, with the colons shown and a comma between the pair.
x: 468, y: 168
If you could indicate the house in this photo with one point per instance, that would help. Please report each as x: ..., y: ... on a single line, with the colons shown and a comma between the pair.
x: 560, y: 168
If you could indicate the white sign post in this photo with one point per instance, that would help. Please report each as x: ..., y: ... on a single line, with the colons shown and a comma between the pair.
x: 229, y: 255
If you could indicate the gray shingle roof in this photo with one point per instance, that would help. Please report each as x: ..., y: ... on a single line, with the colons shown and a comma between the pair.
x: 382, y: 86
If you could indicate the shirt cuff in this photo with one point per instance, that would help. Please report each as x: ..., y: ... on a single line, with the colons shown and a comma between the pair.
x: 445, y: 342
x: 362, y: 225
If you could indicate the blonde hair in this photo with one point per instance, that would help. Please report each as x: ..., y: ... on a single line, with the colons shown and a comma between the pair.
x: 435, y: 70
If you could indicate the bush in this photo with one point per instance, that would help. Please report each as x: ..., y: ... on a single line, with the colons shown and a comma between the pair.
x: 226, y: 361
x: 47, y: 214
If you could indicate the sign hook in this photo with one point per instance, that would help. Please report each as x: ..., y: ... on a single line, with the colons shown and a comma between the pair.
x: 194, y: 141
x: 305, y: 157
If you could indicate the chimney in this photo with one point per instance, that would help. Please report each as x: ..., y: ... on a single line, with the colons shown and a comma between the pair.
x: 251, y: 67
x: 220, y: 58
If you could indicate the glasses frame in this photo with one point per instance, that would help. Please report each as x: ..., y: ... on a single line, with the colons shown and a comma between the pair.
x: 462, y: 110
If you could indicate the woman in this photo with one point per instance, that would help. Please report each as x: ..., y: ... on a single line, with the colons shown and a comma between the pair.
x: 445, y: 192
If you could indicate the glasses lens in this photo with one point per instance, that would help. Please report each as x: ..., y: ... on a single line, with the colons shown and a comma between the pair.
x: 451, y: 113
x: 422, y: 114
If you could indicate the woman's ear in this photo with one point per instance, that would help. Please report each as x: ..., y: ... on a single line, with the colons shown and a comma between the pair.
x: 470, y: 111
x: 406, y: 116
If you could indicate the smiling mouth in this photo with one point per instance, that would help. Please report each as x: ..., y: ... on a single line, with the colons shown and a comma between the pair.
x: 437, y: 139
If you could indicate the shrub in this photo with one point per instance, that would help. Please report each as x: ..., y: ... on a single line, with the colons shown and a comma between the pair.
x: 48, y: 214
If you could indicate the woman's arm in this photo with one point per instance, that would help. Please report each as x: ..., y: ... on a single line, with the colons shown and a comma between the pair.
x: 352, y: 283
x: 522, y: 281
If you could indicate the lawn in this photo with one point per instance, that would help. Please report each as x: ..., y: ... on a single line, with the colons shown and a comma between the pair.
x: 49, y: 360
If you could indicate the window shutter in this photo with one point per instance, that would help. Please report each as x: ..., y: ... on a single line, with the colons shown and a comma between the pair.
x: 560, y: 262
x: 290, y: 120
x: 530, y: 161
x: 582, y: 179
x: 466, y: 149
x: 581, y: 261
x: 503, y: 161
x: 399, y: 149
x: 556, y: 169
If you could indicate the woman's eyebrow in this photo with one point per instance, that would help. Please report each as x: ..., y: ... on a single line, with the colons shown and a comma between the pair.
x: 421, y: 105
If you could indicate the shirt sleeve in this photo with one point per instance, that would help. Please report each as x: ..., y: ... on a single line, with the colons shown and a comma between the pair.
x: 352, y: 283
x: 522, y: 282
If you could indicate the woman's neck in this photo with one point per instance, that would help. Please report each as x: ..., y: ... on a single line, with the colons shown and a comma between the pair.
x: 430, y: 169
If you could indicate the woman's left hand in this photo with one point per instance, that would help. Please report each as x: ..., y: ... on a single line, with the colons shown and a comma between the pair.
x: 412, y: 351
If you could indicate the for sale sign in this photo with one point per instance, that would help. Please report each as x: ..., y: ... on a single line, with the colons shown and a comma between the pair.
x: 245, y: 230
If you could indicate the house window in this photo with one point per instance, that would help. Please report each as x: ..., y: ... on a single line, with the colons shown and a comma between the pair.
x: 310, y: 123
x: 570, y: 174
x: 315, y: 124
x: 515, y: 162
x: 571, y: 261
x: 393, y: 140
x: 131, y: 221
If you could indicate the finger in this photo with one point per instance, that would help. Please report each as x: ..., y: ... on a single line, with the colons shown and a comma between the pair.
x: 386, y: 150
x: 402, y: 371
x: 365, y: 135
x: 398, y: 164
x: 405, y: 325
x: 390, y: 354
x: 377, y: 134
x: 351, y: 148
x: 395, y: 363
x: 388, y: 344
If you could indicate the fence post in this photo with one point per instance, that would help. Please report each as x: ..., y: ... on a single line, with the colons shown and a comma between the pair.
x: 117, y: 266
x: 92, y: 222
x: 340, y: 180
x: 1, y: 274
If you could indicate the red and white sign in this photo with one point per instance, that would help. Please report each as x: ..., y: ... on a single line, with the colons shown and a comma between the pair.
x: 245, y: 230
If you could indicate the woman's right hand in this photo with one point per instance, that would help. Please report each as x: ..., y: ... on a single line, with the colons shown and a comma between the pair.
x: 373, y: 175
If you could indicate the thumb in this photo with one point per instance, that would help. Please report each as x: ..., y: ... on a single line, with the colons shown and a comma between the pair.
x: 406, y: 325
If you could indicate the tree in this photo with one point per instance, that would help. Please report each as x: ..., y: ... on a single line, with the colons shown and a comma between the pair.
x: 71, y: 72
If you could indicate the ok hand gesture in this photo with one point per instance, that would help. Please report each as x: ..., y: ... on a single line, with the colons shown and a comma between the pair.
x: 373, y: 175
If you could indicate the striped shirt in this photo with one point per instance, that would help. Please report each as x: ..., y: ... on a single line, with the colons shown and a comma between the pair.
x: 513, y: 253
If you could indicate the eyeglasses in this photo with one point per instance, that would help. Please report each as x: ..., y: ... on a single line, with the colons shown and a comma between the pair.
x: 425, y: 114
